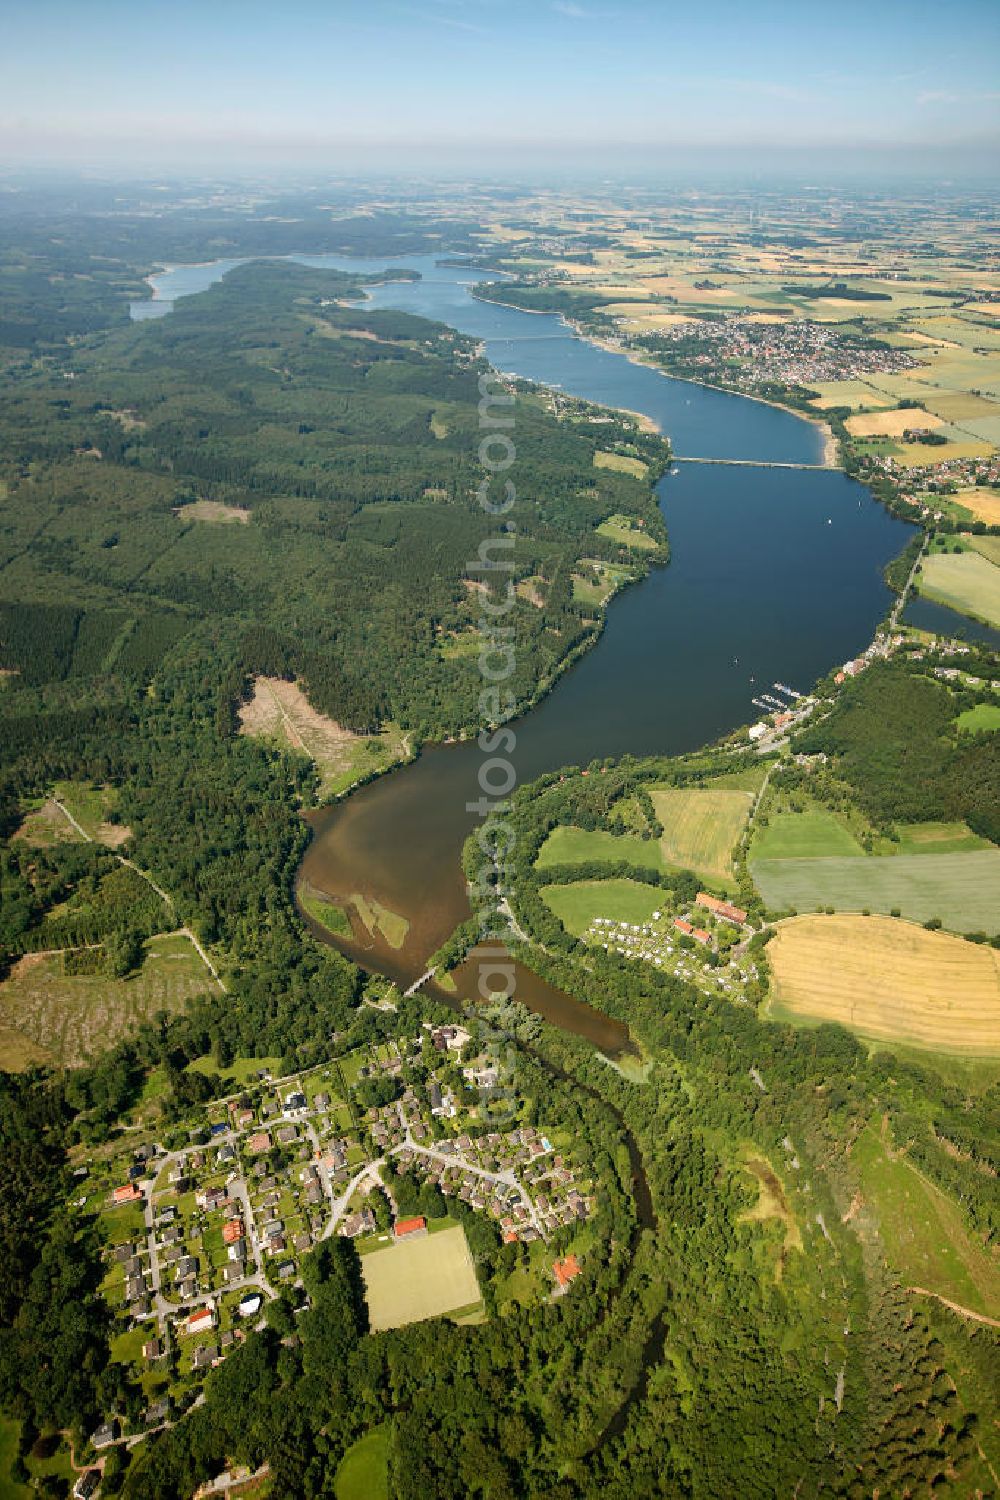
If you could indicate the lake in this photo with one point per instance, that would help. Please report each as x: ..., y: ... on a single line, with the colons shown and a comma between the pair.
x: 775, y: 575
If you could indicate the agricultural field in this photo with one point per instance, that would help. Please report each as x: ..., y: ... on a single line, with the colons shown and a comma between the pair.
x: 568, y: 845
x: 701, y: 825
x: 815, y: 834
x: 965, y: 580
x: 892, y: 423
x: 595, y: 582
x: 981, y: 504
x: 888, y: 980
x: 425, y: 1277
x: 279, y: 711
x: 49, y: 1016
x: 961, y: 890
x: 578, y: 904
x: 923, y: 1231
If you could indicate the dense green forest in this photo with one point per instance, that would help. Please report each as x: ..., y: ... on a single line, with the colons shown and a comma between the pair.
x: 347, y: 441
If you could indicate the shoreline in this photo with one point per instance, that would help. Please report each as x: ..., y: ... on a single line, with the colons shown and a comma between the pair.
x: 830, y: 453
x: 831, y: 449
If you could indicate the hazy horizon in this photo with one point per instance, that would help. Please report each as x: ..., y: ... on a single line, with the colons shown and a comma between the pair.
x: 449, y: 86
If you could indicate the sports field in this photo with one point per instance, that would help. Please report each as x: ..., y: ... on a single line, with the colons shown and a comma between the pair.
x: 578, y: 904
x: 961, y: 890
x: 964, y: 580
x: 890, y: 981
x: 700, y: 827
x: 425, y: 1277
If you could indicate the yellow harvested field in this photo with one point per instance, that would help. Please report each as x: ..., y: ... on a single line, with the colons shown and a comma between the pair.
x: 214, y: 512
x: 984, y: 505
x: 700, y: 827
x: 918, y: 455
x: 891, y: 423
x: 888, y: 980
x: 854, y: 393
x: 419, y: 1278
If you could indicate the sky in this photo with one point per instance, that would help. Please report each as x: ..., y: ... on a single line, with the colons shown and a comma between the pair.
x: 601, y: 83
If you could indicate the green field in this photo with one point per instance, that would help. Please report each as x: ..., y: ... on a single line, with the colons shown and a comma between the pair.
x: 964, y: 580
x: 962, y: 890
x: 363, y: 1472
x: 982, y: 719
x: 803, y: 835
x: 49, y: 1016
x: 424, y: 1277
x: 924, y: 1234
x: 701, y: 825
x: 577, y: 905
x: 622, y: 529
x: 567, y: 845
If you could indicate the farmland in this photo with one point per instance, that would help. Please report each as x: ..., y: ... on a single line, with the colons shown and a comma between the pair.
x: 966, y: 581
x: 47, y: 1015
x: 890, y: 981
x: 425, y: 1277
x: 961, y: 890
x: 700, y: 827
x: 923, y: 1231
x: 568, y: 845
x: 816, y: 834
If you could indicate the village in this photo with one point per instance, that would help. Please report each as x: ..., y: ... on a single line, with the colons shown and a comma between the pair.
x: 707, y: 944
x: 742, y: 353
x: 204, y: 1230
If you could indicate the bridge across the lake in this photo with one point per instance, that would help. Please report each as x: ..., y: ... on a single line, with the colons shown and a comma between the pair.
x: 748, y: 463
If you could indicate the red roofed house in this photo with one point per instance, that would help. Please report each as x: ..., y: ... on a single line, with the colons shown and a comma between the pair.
x: 682, y: 925
x: 201, y: 1320
x: 259, y: 1142
x: 232, y: 1231
x: 565, y: 1271
x: 405, y: 1227
x: 721, y: 908
x: 127, y: 1194
x: 700, y: 935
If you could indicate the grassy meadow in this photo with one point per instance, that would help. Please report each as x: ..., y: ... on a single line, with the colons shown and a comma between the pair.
x: 578, y: 904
